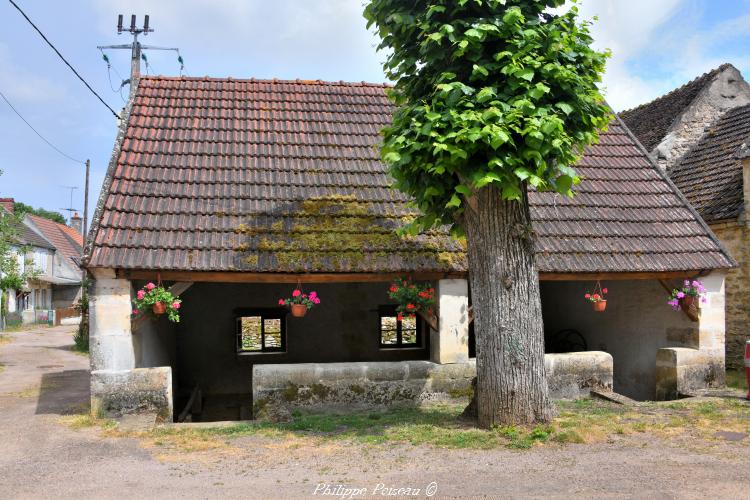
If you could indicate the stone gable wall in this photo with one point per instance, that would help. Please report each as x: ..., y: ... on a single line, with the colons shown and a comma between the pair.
x: 728, y: 90
x: 736, y: 237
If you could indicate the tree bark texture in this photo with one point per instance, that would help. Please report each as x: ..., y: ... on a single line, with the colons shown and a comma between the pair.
x: 511, y: 380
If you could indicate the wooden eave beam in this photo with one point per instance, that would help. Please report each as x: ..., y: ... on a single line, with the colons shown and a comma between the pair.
x: 249, y: 277
x: 243, y: 277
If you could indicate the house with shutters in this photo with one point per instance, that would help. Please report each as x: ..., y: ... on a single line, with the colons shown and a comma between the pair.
x: 53, y: 251
x: 699, y: 133
x: 233, y: 192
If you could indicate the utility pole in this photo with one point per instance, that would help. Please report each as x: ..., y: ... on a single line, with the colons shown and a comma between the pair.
x: 83, y: 329
x: 135, y: 48
x: 86, y: 206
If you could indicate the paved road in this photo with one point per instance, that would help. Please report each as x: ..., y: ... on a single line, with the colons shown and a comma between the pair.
x: 42, y: 458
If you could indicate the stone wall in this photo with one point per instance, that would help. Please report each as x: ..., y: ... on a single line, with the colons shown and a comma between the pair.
x: 636, y: 324
x: 684, y: 370
x: 736, y: 237
x: 141, y: 390
x: 570, y: 376
x: 727, y: 91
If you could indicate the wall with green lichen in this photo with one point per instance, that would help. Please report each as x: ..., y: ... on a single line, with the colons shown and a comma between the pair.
x: 344, y: 327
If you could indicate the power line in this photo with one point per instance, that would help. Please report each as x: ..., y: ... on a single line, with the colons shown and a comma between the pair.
x: 63, y: 58
x: 35, y: 131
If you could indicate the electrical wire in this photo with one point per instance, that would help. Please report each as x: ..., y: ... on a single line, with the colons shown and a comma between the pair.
x: 109, y: 76
x: 63, y: 58
x: 37, y: 133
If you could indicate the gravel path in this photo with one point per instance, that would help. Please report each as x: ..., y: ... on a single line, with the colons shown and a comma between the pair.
x: 40, y: 457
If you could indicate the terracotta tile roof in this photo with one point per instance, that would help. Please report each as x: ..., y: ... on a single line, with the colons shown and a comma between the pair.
x: 283, y: 176
x: 709, y: 175
x: 650, y: 122
x: 62, y: 237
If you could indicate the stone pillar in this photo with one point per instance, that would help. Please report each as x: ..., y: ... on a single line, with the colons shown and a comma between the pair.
x: 111, y: 339
x: 451, y: 343
x: 681, y: 370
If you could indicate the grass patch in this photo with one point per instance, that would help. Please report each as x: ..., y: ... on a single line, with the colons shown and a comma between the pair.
x: 736, y: 379
x: 578, y: 422
x: 5, y: 339
x: 87, y: 421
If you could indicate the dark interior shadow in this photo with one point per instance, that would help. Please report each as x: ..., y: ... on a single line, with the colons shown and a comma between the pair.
x: 64, y: 393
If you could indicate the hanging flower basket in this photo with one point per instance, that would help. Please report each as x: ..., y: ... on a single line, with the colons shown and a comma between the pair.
x: 597, y: 299
x: 299, y: 310
x: 300, y: 303
x: 159, y: 308
x: 691, y: 294
x: 414, y: 299
x: 158, y: 301
x: 686, y: 302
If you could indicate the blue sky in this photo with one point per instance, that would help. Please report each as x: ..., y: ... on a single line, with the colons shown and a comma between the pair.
x: 657, y: 45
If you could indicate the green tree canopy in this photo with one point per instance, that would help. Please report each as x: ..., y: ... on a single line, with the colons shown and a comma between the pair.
x: 496, y: 92
x: 21, y: 209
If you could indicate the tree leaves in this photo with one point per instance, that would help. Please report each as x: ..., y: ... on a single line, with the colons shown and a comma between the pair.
x: 487, y: 92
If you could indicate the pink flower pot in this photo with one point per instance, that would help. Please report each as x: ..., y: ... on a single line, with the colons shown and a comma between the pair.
x: 299, y: 310
x: 599, y: 306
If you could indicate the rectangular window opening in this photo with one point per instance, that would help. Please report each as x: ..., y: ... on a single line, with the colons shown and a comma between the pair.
x: 261, y: 331
x: 395, y: 332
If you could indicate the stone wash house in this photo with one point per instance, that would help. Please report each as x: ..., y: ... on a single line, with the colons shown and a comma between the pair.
x: 707, y: 162
x: 235, y: 191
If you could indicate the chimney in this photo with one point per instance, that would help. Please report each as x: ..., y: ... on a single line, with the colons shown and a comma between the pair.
x: 76, y: 223
x: 743, y: 155
x: 7, y: 204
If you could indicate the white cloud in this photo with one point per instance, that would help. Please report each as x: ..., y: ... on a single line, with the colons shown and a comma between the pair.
x: 284, y: 38
x: 627, y: 29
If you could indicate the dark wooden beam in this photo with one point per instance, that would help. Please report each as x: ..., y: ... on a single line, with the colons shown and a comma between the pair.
x: 242, y: 277
x: 247, y: 277
x: 617, y: 276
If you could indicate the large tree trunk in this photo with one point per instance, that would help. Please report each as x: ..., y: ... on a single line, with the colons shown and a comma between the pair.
x: 511, y: 381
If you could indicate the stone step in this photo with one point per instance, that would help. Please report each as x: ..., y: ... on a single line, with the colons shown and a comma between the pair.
x: 614, y: 397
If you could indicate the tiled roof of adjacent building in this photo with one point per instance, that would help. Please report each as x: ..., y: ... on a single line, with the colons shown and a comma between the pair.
x: 284, y: 176
x: 709, y: 175
x: 66, y: 240
x: 27, y: 236
x: 651, y: 122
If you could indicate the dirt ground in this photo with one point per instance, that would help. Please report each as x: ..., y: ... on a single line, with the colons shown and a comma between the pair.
x: 42, y: 380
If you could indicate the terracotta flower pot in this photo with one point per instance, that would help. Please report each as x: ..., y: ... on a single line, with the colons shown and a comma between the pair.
x: 686, y: 302
x: 299, y: 310
x: 599, y: 306
x: 159, y: 308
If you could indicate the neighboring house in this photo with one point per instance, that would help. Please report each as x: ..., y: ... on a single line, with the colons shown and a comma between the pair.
x: 66, y: 269
x: 238, y: 190
x: 53, y: 251
x: 670, y: 125
x: 707, y: 169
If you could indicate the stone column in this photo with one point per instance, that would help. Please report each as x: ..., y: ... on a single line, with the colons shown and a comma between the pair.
x: 681, y: 370
x: 451, y: 343
x: 111, y: 339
